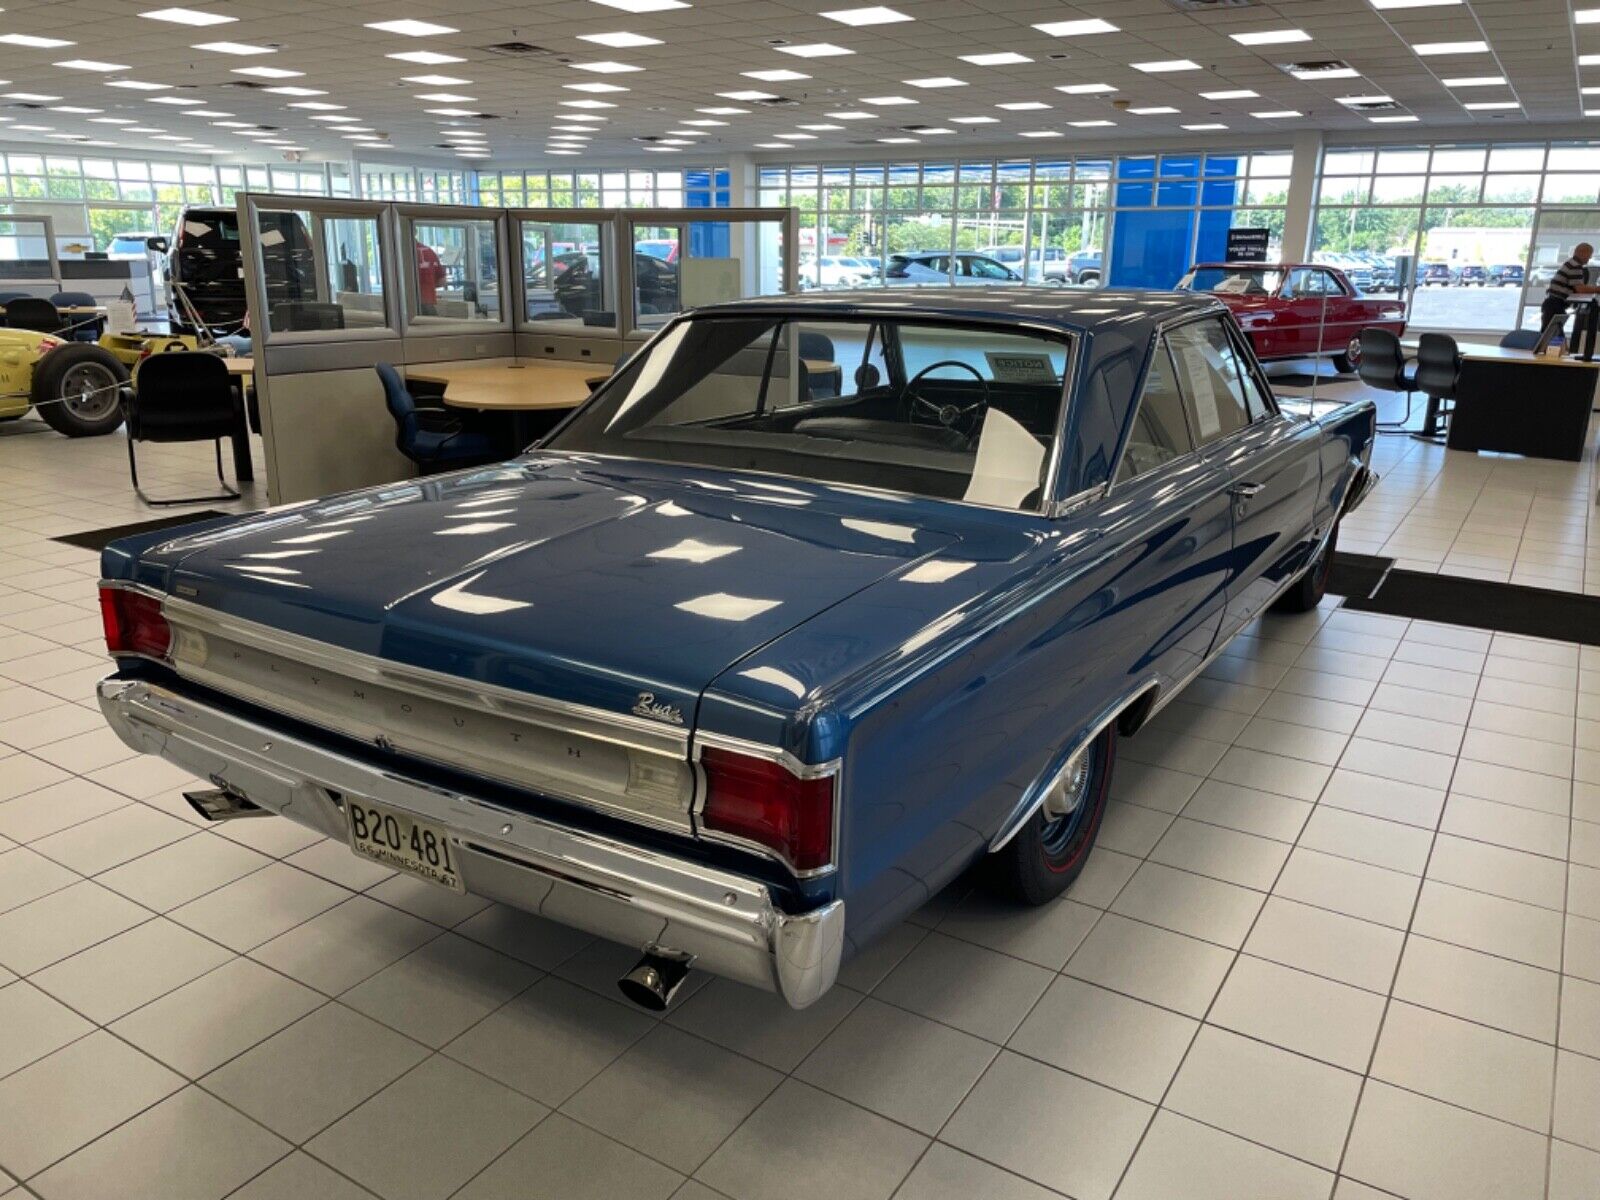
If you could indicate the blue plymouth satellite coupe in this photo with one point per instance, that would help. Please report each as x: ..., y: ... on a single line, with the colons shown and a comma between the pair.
x: 816, y: 604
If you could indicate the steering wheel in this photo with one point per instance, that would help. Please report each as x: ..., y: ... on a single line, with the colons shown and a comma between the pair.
x: 947, y: 415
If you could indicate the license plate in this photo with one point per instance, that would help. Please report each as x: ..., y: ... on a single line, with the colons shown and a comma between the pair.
x: 399, y: 840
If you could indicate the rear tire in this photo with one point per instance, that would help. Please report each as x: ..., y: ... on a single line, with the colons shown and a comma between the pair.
x: 1050, y: 850
x: 1307, y: 591
x: 77, y: 389
x: 1349, y: 362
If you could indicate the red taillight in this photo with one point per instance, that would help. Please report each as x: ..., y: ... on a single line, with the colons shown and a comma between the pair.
x: 763, y: 802
x: 134, y: 624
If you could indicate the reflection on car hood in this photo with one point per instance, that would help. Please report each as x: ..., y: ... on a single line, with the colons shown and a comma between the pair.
x: 558, y: 577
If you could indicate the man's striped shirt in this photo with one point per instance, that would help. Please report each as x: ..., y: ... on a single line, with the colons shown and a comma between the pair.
x: 1570, y: 276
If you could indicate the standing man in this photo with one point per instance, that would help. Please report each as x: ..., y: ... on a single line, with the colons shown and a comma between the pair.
x: 1569, y: 280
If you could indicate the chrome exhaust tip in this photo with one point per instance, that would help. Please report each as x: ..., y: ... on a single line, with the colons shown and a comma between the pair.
x: 652, y: 984
x: 218, y: 804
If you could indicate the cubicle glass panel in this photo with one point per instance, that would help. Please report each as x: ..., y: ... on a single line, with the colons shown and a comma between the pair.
x: 455, y: 270
x: 25, y: 250
x: 686, y: 263
x: 565, y: 280
x: 658, y: 251
x: 321, y: 272
x: 1555, y: 235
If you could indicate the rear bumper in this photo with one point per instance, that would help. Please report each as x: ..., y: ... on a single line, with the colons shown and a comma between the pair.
x: 724, y: 923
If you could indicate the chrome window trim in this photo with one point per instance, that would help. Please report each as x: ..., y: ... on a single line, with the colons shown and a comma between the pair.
x: 833, y: 768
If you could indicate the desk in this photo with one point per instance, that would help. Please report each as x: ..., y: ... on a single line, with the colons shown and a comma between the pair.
x: 1514, y: 402
x: 517, y: 387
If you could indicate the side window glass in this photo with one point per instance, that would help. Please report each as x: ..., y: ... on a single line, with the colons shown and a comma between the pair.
x: 1299, y: 284
x: 1255, y: 395
x: 1160, y: 430
x: 1208, y: 372
x: 1329, y: 285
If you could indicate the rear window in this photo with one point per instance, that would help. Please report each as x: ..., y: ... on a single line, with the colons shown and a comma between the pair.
x: 209, y: 230
x: 1234, y: 281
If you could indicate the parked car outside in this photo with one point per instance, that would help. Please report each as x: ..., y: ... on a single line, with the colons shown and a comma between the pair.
x: 932, y: 266
x: 1084, y: 267
x: 1434, y: 273
x: 1506, y: 275
x: 833, y: 270
x: 1046, y: 264
x: 1297, y: 310
x: 1469, y: 275
x: 1355, y: 271
x: 737, y: 674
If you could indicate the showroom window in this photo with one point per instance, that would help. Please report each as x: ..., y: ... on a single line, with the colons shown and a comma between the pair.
x: 700, y: 187
x: 1470, y: 212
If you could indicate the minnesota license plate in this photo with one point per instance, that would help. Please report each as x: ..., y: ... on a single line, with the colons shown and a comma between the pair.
x: 398, y: 840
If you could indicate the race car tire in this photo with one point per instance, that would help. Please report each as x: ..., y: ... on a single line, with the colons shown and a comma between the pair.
x: 77, y: 389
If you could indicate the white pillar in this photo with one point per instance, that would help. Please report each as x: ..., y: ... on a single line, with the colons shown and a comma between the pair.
x: 1297, y: 222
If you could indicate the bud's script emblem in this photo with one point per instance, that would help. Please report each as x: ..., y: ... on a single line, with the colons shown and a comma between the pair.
x: 647, y: 706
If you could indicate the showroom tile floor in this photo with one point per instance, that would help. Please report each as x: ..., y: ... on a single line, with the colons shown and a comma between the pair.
x: 1341, y: 937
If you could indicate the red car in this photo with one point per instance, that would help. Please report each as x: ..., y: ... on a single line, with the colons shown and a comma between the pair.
x: 1297, y: 310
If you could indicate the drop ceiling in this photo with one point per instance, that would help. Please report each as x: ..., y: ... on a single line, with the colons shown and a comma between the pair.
x: 595, y: 79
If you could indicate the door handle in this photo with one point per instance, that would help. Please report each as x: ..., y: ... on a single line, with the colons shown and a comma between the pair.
x: 1244, y: 491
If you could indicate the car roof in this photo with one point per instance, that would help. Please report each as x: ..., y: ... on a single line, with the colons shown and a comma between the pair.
x: 1261, y: 266
x: 1123, y: 309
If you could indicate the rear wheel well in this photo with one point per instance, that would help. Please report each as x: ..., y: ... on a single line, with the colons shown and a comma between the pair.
x: 1133, y: 717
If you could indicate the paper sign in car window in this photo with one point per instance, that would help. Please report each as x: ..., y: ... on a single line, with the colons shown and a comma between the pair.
x: 1008, y: 463
x: 271, y: 237
x: 197, y: 229
x: 1020, y: 368
x: 1198, y: 370
x: 1236, y: 285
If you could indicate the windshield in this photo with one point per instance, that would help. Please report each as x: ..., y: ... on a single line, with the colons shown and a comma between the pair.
x: 943, y: 410
x: 1232, y: 281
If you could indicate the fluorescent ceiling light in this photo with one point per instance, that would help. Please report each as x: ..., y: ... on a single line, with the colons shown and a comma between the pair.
x: 744, y: 95
x: 291, y: 90
x: 145, y: 129
x: 1000, y: 58
x: 438, y: 112
x: 553, y: 153
x: 1233, y: 94
x: 1589, y: 60
x: 90, y: 64
x: 975, y: 120
x: 814, y: 50
x: 267, y: 72
x: 643, y: 6
x: 1023, y: 106
x: 38, y: 96
x: 776, y: 75
x: 1281, y: 114
x: 112, y: 121
x: 1466, y: 81
x: 1157, y: 110
x: 688, y: 133
x: 317, y: 105
x: 233, y: 124
x: 1404, y: 119
x: 180, y: 101
x: 1204, y: 128
x: 241, y: 49
x: 1587, y: 16
x: 74, y: 108
x: 704, y: 121
x: 1040, y: 133
x: 1166, y: 65
x: 1590, y: 91
x: 47, y: 128
x: 1429, y: 49
x: 410, y: 28
x: 773, y: 146
x: 1337, y: 73
x: 1271, y: 37
x: 899, y: 141
x: 936, y: 81
x: 725, y: 111
x: 1491, y: 106
x: 38, y: 43
x: 1388, y: 4
x: 1090, y: 124
x: 662, y: 149
x: 1076, y: 28
x: 876, y: 15
x: 585, y: 104
x: 796, y: 137
x: 819, y: 128
x: 605, y: 67
x: 620, y: 40
x: 1085, y: 89
x: 435, y: 80
x: 186, y: 16
x: 138, y: 85
x: 1354, y: 100
x: 930, y: 130
x: 427, y: 58
x: 596, y: 88
x: 162, y: 137
x: 887, y: 101
x: 331, y: 120
x: 458, y: 98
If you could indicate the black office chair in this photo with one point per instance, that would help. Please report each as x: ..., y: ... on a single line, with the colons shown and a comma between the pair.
x: 1383, y: 366
x: 5, y: 299
x: 181, y: 397
x: 1438, y: 368
x: 818, y: 347
x: 83, y: 329
x: 302, y: 315
x: 432, y: 439
x: 30, y: 312
x: 1520, y: 339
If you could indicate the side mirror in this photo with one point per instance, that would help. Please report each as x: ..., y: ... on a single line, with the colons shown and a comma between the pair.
x: 158, y: 244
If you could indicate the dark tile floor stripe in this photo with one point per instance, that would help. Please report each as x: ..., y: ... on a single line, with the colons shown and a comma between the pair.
x: 99, y: 539
x: 1481, y: 604
x: 1358, y: 575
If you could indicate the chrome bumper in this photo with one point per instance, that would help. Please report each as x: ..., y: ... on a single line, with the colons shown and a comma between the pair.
x: 724, y: 923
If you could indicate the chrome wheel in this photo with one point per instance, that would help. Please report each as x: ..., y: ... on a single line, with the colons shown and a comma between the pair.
x: 89, y: 391
x: 1065, y: 801
x: 1353, y: 351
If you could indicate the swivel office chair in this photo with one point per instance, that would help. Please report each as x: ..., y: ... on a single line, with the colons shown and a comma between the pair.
x: 818, y: 347
x: 433, y: 440
x: 1383, y: 366
x: 1520, y: 339
x: 83, y: 329
x: 181, y: 398
x: 5, y: 299
x: 30, y: 312
x: 1438, y: 368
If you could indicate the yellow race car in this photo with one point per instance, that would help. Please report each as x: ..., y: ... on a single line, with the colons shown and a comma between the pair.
x: 75, y: 386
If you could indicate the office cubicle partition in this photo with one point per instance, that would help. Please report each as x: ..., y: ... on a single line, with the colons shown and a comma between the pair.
x: 337, y: 286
